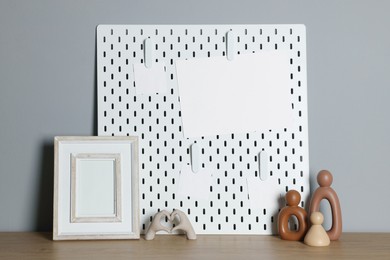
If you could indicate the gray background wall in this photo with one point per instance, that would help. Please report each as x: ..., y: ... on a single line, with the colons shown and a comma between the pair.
x: 48, y: 88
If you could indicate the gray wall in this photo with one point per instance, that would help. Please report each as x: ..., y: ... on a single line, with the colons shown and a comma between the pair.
x: 48, y: 88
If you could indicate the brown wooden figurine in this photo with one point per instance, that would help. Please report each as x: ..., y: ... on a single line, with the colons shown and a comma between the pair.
x: 325, y: 179
x: 292, y: 209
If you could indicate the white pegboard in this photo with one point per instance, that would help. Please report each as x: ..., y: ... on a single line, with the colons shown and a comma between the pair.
x: 156, y: 119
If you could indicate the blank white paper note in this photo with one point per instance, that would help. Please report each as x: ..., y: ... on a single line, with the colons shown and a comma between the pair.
x: 250, y: 93
x: 194, y: 185
x: 264, y: 194
x: 150, y: 81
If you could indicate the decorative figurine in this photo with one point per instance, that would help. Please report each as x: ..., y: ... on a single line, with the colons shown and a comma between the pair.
x: 184, y: 224
x: 325, y: 179
x: 317, y: 236
x: 156, y: 225
x: 292, y: 209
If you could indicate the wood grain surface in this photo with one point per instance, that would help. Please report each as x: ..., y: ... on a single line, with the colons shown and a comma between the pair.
x: 40, y: 246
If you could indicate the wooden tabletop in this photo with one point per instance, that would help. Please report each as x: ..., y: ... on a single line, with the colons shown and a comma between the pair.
x: 40, y: 246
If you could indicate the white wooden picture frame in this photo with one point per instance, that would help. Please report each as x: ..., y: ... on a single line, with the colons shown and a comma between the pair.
x: 96, y: 188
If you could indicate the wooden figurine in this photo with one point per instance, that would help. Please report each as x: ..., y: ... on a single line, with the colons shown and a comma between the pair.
x: 292, y: 209
x: 325, y: 179
x: 184, y: 224
x: 317, y: 236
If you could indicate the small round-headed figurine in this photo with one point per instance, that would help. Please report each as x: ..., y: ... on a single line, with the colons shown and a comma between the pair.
x: 292, y: 209
x: 316, y: 236
x: 325, y: 179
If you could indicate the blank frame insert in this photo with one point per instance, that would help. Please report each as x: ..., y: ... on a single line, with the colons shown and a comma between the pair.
x: 98, y: 191
x: 96, y: 188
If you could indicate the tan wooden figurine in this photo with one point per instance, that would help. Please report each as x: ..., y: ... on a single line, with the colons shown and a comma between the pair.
x: 292, y: 209
x: 184, y: 224
x: 317, y: 236
x: 325, y: 179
